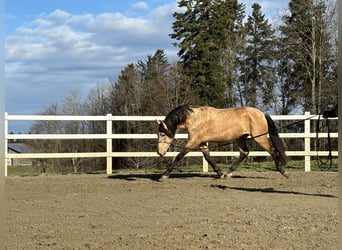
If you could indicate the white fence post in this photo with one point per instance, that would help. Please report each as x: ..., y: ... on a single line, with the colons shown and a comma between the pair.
x: 205, y: 164
x: 109, y: 125
x: 6, y: 142
x: 307, y: 143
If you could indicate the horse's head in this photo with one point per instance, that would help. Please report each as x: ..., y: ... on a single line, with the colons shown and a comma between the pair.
x: 165, y: 138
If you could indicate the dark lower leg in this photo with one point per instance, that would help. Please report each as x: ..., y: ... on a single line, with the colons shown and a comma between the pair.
x: 210, y: 161
x: 243, y: 154
x: 236, y: 163
x: 279, y: 166
x: 179, y: 157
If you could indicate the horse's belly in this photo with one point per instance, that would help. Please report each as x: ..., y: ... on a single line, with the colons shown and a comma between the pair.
x: 224, y: 135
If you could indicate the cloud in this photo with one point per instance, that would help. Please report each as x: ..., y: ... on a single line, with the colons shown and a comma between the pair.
x: 140, y: 6
x: 59, y: 51
x: 270, y: 7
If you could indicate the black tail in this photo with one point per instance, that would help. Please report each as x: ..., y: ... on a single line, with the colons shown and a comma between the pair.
x: 276, y: 141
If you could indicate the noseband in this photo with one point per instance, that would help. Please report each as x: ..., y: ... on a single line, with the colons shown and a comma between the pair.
x: 169, y: 143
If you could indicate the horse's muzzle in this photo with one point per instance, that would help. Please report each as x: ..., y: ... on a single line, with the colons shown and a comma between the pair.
x: 161, y: 154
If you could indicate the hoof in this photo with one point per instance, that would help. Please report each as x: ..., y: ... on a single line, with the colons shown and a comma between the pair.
x: 229, y: 175
x: 222, y: 176
x: 286, y: 174
x: 163, y: 178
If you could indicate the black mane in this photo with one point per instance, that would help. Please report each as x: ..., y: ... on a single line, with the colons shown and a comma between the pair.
x: 175, y: 117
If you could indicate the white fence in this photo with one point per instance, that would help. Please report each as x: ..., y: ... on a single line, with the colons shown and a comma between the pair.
x: 109, y: 137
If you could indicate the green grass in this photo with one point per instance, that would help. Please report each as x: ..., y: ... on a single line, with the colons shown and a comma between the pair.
x: 254, y: 166
x: 26, y: 171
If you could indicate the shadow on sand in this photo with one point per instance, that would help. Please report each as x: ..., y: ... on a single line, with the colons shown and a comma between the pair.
x: 270, y: 190
x: 156, y: 176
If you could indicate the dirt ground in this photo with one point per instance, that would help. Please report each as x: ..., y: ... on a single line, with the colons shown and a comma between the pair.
x: 254, y: 210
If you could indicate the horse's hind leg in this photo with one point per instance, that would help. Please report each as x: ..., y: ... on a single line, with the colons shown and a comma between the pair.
x: 206, y: 154
x: 265, y: 144
x: 243, y: 154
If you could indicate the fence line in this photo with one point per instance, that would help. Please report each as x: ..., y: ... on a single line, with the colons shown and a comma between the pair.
x: 307, y: 153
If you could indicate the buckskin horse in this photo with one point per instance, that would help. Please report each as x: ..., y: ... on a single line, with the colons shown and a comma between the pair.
x: 207, y: 124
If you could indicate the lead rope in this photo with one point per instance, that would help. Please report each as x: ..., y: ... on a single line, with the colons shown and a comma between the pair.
x: 323, y: 165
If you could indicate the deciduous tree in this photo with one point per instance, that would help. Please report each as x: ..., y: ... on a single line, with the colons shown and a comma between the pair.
x: 307, y: 43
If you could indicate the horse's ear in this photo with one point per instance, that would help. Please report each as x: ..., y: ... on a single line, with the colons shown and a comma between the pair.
x: 164, y: 125
x: 166, y: 130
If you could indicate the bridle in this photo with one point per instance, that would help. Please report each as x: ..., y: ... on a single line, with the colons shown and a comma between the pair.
x: 169, y: 143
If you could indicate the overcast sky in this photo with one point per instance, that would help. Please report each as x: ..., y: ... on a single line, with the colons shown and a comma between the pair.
x: 55, y: 46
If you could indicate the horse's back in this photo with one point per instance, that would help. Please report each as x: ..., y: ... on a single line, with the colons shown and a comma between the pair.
x: 226, y: 124
x: 231, y: 113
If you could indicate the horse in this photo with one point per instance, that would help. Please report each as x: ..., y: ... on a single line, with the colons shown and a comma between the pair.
x: 208, y: 124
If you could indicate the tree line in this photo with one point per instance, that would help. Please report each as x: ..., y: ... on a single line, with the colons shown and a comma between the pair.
x: 226, y: 59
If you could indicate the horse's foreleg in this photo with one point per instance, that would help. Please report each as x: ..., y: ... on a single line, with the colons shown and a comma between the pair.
x: 169, y: 169
x: 243, y: 155
x: 206, y: 154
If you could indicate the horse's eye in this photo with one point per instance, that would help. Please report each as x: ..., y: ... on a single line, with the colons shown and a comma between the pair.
x: 161, y: 134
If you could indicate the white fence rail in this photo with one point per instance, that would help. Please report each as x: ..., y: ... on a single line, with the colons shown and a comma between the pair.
x: 109, y: 137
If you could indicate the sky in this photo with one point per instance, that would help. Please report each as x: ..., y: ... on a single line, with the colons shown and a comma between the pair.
x: 52, y: 47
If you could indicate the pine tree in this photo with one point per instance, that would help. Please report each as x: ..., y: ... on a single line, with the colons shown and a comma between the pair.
x: 156, y: 90
x: 257, y: 74
x: 202, y: 33
x: 121, y: 92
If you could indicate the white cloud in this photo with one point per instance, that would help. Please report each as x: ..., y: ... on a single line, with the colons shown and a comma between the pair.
x: 270, y: 7
x: 60, y: 51
x: 59, y: 16
x: 140, y: 6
